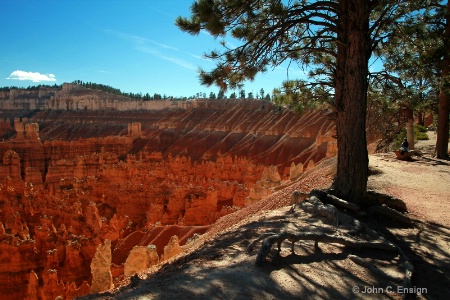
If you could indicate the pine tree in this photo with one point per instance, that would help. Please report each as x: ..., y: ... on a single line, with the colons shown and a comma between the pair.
x: 444, y: 92
x: 415, y: 56
x: 221, y: 94
x: 334, y: 37
x: 261, y: 93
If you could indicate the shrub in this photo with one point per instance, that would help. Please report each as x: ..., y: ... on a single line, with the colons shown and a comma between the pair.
x: 421, y: 136
x: 420, y: 128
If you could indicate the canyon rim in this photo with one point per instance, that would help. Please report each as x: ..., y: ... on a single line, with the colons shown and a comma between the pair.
x: 86, y: 178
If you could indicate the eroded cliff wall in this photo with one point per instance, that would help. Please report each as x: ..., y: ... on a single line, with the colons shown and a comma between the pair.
x: 72, y: 179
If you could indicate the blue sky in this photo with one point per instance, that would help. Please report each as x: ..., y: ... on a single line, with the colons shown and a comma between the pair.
x: 132, y: 45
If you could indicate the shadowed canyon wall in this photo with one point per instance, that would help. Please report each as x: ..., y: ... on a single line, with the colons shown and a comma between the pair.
x: 89, y: 180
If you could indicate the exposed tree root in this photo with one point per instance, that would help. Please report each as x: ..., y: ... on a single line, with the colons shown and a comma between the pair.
x: 365, y: 264
x: 358, y: 235
x: 331, y: 199
x: 409, y: 268
x: 375, y: 198
x: 333, y: 215
x: 261, y: 237
x: 390, y: 213
x: 317, y: 237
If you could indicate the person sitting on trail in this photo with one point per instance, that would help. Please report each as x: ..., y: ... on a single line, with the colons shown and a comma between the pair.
x: 404, y: 146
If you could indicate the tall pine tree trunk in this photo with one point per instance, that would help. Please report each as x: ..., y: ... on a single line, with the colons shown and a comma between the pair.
x: 351, y: 99
x: 410, y: 126
x: 444, y: 110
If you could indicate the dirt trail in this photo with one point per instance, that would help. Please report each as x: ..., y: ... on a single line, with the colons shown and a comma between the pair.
x: 423, y: 183
x: 217, y: 266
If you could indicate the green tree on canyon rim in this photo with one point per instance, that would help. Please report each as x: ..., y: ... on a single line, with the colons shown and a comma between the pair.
x: 444, y: 93
x: 335, y: 39
x: 439, y: 21
x: 416, y: 64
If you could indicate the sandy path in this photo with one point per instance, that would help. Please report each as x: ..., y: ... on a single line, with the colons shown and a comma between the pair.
x: 422, y: 183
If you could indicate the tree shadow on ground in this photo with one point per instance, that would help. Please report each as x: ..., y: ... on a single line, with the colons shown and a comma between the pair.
x: 426, y: 244
x: 428, y: 250
x: 435, y: 162
x: 221, y: 268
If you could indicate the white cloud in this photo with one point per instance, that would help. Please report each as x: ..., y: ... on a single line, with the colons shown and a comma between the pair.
x: 32, y: 76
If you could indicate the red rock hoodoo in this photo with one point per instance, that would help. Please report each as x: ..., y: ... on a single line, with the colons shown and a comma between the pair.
x: 86, y: 168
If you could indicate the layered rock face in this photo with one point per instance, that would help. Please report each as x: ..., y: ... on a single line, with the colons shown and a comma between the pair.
x: 73, y: 183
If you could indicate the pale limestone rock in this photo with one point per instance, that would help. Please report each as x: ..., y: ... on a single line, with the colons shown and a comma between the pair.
x: 310, y: 165
x: 270, y: 177
x: 173, y: 248
x: 101, y: 269
x: 295, y: 171
x: 140, y: 259
x: 257, y: 192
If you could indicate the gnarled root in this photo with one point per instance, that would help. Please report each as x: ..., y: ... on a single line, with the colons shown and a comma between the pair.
x: 361, y: 235
x: 331, y: 199
x: 317, y: 237
x: 390, y: 213
x: 333, y: 215
x: 365, y: 264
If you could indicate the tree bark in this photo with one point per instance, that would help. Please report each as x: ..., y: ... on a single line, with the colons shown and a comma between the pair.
x: 410, y: 127
x: 351, y: 99
x: 421, y: 118
x: 444, y: 110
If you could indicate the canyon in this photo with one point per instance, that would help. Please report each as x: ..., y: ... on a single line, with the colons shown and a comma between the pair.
x: 94, y: 186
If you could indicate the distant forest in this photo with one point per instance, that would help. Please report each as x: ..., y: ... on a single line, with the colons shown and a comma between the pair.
x: 30, y: 88
x: 147, y: 96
